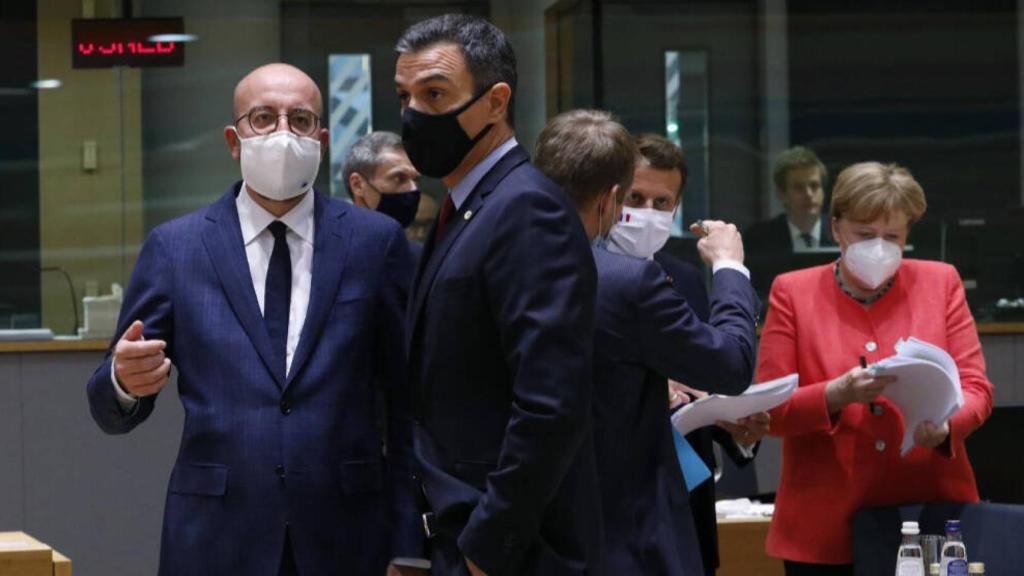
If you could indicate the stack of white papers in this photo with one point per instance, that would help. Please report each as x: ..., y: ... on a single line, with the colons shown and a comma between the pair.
x: 743, y: 508
x: 928, y: 385
x: 757, y: 398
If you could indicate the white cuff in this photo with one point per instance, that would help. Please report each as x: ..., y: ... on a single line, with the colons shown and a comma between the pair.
x: 732, y: 265
x: 746, y: 451
x: 127, y: 401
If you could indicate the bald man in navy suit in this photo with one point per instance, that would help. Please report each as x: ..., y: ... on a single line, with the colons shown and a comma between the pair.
x: 282, y: 311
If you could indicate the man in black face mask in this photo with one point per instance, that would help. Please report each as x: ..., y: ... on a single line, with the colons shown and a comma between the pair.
x: 500, y: 324
x: 379, y: 176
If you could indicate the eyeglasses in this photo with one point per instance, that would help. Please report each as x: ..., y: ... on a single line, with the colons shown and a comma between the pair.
x: 263, y: 120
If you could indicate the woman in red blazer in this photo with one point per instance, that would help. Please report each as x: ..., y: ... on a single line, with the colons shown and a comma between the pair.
x: 841, y: 436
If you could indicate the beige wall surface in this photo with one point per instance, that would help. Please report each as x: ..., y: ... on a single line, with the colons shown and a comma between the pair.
x: 90, y: 221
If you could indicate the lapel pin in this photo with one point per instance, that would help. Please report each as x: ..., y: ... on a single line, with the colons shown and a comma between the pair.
x: 467, y: 215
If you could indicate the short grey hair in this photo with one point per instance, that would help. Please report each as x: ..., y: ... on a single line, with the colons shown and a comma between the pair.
x: 363, y: 156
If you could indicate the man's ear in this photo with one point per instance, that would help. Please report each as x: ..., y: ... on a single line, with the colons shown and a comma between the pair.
x: 231, y: 138
x: 498, y: 100
x: 614, y: 196
x: 325, y: 142
x: 616, y: 202
x: 355, y: 184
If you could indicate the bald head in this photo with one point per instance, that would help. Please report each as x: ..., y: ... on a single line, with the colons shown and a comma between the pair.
x: 280, y: 86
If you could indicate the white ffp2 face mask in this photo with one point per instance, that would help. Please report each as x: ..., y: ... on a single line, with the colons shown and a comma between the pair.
x: 280, y: 165
x: 873, y: 261
x: 640, y: 232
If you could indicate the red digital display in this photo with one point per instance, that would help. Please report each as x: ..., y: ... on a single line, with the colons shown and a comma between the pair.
x: 104, y: 43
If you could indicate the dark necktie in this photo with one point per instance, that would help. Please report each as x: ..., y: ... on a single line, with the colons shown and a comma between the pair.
x: 442, y: 218
x: 277, y: 297
x: 808, y: 239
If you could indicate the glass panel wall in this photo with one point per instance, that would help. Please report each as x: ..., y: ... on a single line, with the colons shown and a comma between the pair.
x: 93, y: 158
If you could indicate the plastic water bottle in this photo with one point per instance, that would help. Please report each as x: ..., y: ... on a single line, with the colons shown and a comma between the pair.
x: 954, y: 553
x: 910, y: 558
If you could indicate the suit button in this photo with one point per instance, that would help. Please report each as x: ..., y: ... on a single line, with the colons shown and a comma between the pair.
x: 279, y: 470
x: 286, y: 408
x: 880, y: 445
x: 871, y: 346
x: 876, y: 409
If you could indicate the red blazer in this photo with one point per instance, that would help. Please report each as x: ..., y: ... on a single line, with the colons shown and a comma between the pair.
x: 830, y: 468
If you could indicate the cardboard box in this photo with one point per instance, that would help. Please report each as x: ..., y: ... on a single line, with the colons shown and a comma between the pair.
x: 23, y: 555
x: 61, y: 564
x: 741, y: 548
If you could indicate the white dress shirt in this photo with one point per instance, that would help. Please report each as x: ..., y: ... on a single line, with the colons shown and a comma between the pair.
x: 259, y: 244
x: 797, y: 240
x: 461, y: 191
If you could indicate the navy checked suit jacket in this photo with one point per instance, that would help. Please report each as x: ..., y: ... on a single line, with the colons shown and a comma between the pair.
x: 261, y: 451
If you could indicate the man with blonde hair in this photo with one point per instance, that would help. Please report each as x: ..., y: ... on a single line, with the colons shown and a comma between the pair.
x: 644, y: 332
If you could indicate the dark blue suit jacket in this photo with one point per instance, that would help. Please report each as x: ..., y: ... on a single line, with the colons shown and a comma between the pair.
x: 501, y: 328
x: 772, y: 252
x: 261, y: 451
x: 416, y: 249
x: 688, y: 281
x: 646, y: 331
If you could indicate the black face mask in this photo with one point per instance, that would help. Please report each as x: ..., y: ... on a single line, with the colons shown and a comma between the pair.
x: 401, y: 206
x: 436, y: 143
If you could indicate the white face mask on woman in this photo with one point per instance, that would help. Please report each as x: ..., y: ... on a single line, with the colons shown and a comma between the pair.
x: 640, y: 232
x: 873, y: 261
x: 279, y: 165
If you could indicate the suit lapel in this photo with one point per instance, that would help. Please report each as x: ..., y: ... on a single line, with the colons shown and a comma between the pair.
x: 222, y: 237
x: 433, y: 256
x: 330, y: 250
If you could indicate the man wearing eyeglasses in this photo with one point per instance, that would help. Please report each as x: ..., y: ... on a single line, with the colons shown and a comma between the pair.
x: 282, y: 310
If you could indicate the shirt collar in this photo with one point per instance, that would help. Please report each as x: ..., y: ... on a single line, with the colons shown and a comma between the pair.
x: 254, y: 219
x: 796, y: 234
x: 465, y: 186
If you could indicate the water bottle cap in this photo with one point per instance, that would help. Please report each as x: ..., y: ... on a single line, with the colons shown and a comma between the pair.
x: 911, y: 528
x: 952, y: 525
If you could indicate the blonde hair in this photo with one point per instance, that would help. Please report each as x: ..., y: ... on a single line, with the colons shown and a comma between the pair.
x: 867, y: 191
